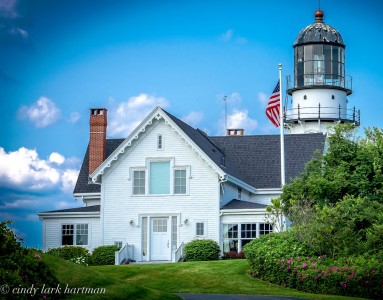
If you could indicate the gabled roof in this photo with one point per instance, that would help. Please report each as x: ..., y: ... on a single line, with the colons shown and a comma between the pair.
x: 258, y: 157
x: 253, y: 160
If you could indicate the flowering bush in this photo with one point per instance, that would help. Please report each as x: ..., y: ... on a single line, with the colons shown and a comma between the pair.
x: 276, y: 259
x: 22, y: 267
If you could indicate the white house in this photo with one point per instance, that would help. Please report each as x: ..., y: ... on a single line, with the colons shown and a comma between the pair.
x: 168, y: 183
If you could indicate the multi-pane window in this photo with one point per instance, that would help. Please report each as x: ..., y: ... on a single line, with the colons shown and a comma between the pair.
x: 159, y: 183
x: 70, y: 231
x: 265, y: 228
x: 118, y: 244
x: 230, y: 236
x: 138, y: 182
x: 179, y: 181
x: 82, y: 234
x: 248, y: 233
x: 236, y: 236
x: 200, y: 228
x: 160, y: 178
x: 67, y: 234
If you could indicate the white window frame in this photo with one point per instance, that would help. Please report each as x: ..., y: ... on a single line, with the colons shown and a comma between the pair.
x: 132, y: 170
x: 187, y: 169
x: 239, y: 232
x: 204, y: 222
x: 173, y: 168
x: 75, y: 233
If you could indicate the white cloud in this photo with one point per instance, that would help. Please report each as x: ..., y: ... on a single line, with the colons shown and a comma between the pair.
x: 43, y: 113
x: 124, y: 117
x: 8, y: 9
x: 193, y: 118
x: 18, y: 204
x: 74, y: 117
x: 25, y: 171
x: 263, y: 98
x: 228, y: 35
x: 56, y: 158
x: 69, y: 178
x: 239, y: 119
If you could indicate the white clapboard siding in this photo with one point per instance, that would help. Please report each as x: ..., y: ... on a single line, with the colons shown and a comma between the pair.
x: 52, y: 234
x: 119, y: 206
x: 263, y: 198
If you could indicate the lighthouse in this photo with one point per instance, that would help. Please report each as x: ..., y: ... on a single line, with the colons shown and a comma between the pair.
x: 320, y: 88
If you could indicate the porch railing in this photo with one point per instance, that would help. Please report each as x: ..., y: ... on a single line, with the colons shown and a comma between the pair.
x: 178, y: 253
x: 126, y: 252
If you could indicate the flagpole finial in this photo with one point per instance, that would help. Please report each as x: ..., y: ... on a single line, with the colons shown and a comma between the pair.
x: 280, y: 66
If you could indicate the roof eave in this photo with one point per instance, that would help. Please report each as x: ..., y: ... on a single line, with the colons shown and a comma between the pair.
x: 240, y: 183
x: 242, y: 211
x: 51, y: 215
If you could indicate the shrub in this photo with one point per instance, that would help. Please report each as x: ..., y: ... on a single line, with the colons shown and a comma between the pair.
x: 21, y: 267
x: 280, y: 259
x: 76, y: 254
x: 264, y: 253
x: 104, y: 255
x: 233, y: 255
x: 201, y: 250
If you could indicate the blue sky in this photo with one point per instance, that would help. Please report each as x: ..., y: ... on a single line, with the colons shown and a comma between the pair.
x: 60, y: 58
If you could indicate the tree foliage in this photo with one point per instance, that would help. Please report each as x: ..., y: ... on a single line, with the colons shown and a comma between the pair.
x: 336, y: 205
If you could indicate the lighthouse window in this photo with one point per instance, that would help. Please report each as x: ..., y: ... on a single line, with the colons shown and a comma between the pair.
x: 304, y: 97
x: 332, y: 97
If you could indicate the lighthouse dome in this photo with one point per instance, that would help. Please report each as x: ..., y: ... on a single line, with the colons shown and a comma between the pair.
x: 319, y: 32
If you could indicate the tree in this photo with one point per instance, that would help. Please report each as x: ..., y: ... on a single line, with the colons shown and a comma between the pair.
x: 336, y: 205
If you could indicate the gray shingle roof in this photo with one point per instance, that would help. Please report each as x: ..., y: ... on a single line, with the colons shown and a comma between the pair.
x: 240, y: 204
x: 93, y: 208
x: 254, y: 159
x: 257, y: 157
x: 82, y: 185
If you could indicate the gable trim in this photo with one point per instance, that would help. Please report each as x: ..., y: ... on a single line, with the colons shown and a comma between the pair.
x: 157, y: 114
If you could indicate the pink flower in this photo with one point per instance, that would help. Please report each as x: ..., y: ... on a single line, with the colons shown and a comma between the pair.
x: 349, y: 276
x: 304, y: 265
x: 37, y: 256
x: 366, y: 281
x: 344, y: 285
x: 288, y: 268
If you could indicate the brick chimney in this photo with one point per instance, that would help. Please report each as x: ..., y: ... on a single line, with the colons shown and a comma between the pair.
x: 235, y: 132
x: 97, y: 140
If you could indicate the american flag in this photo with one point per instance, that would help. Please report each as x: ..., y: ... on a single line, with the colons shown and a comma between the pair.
x: 272, y: 110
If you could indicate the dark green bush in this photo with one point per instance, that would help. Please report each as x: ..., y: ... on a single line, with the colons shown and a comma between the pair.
x: 201, y: 250
x: 264, y: 253
x: 104, y: 255
x: 76, y: 254
x: 22, y: 267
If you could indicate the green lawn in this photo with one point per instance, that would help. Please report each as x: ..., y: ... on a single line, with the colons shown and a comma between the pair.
x: 160, y: 281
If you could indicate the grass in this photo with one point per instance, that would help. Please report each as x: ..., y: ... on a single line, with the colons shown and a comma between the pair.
x: 161, y: 281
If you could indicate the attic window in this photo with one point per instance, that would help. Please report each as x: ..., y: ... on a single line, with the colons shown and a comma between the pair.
x: 160, y: 142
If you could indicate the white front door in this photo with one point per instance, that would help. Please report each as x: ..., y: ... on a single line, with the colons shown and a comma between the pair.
x: 160, y: 239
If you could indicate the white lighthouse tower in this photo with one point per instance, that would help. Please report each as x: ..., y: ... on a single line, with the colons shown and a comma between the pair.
x: 320, y: 87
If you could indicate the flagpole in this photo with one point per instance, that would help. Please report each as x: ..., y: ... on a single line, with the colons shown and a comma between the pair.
x: 281, y: 126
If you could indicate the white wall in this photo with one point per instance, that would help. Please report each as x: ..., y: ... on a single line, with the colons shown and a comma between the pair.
x: 52, y: 231
x: 119, y: 206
